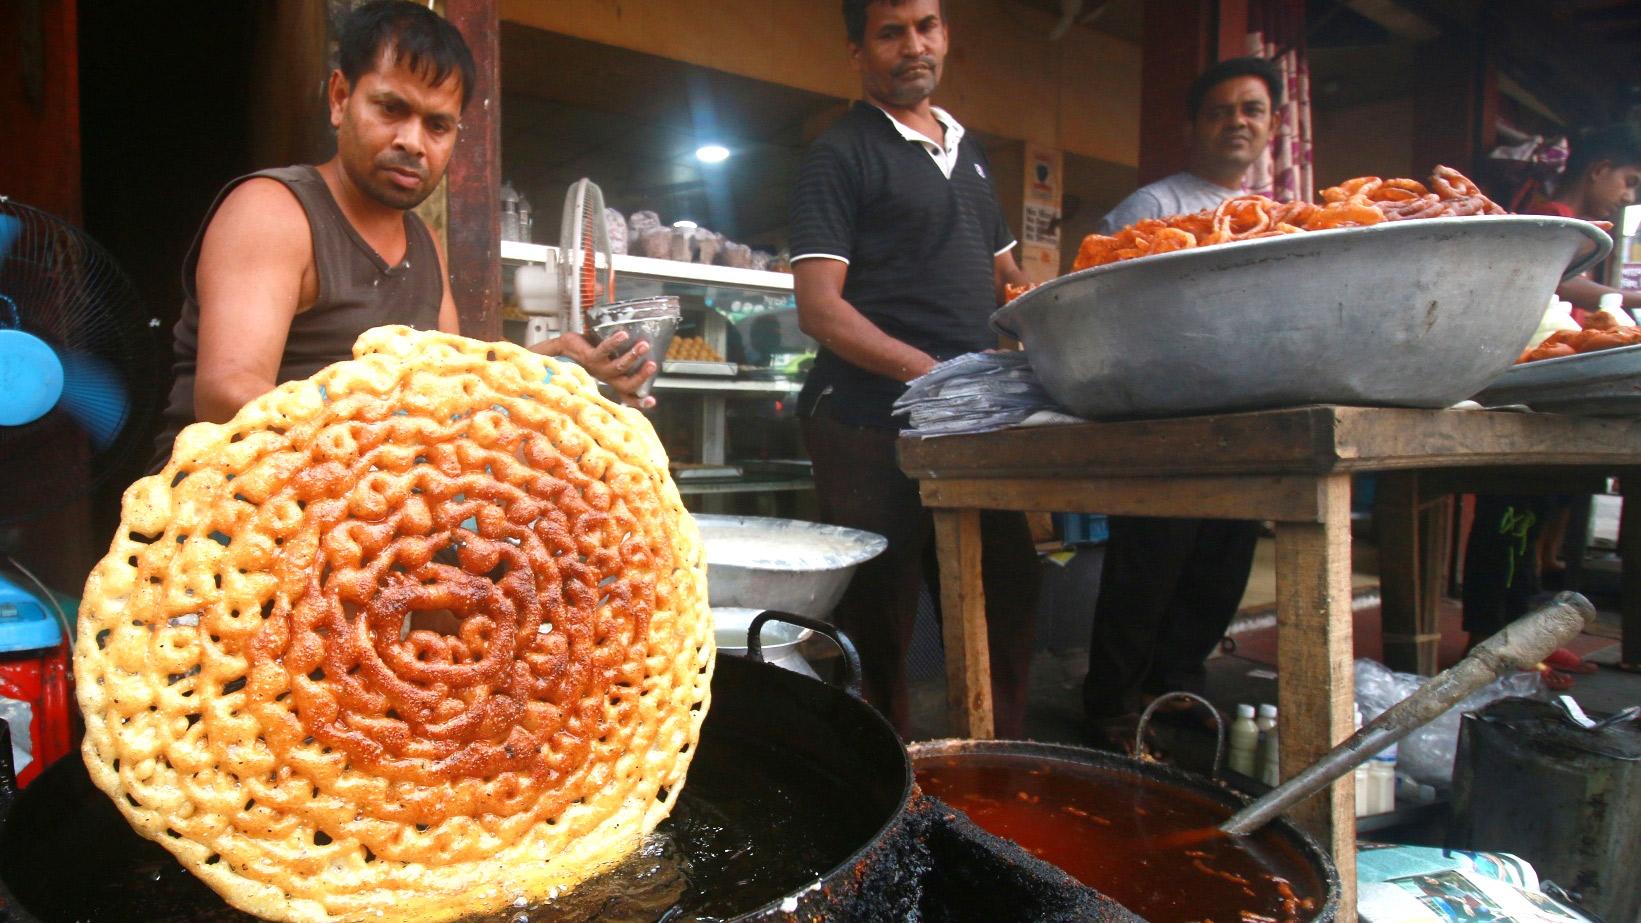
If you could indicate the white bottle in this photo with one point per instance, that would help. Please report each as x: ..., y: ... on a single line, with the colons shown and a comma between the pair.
x: 1613, y: 303
x: 1364, y: 784
x: 1268, y: 761
x: 1244, y: 740
x: 1382, y: 779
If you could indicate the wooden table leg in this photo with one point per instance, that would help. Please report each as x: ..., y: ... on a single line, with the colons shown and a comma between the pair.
x: 1396, y: 521
x: 1413, y: 547
x: 1435, y: 547
x: 1315, y: 676
x: 963, y: 602
x: 1629, y: 560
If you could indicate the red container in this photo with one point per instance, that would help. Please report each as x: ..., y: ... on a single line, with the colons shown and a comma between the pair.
x: 43, y: 679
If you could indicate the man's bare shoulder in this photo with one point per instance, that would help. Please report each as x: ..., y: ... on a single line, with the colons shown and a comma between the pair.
x: 261, y: 214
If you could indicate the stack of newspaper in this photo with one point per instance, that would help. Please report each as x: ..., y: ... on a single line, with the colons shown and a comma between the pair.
x: 977, y: 393
x: 1422, y: 884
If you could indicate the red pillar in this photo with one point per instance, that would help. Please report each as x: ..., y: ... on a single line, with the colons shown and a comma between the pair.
x: 40, y: 106
x: 1181, y: 39
x: 473, y: 234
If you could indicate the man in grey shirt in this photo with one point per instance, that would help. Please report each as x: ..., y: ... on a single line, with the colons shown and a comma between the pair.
x: 1170, y: 587
x: 1231, y: 108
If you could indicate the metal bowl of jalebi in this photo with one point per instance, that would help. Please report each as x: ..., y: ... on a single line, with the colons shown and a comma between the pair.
x: 1405, y: 313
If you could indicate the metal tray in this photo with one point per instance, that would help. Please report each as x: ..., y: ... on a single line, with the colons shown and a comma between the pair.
x: 1405, y: 313
x: 697, y: 367
x: 1605, y: 383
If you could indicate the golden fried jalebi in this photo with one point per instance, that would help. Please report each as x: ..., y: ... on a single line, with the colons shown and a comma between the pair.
x: 1359, y: 202
x: 263, y: 698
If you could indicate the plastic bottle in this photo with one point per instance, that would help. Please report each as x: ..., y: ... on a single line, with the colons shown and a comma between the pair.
x: 1364, y: 794
x: 1382, y: 780
x: 1268, y: 761
x: 1244, y: 740
x: 1613, y: 303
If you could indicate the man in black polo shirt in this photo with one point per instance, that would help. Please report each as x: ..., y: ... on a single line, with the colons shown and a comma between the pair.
x: 900, y: 252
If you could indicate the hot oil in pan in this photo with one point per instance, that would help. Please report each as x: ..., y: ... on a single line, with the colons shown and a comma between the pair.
x: 750, y: 826
x: 739, y: 837
x: 1104, y: 828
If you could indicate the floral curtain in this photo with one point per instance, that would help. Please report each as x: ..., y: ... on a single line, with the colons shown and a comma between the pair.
x: 1277, y: 33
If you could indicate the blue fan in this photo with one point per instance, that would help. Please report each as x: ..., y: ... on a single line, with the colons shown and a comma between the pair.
x: 78, y: 376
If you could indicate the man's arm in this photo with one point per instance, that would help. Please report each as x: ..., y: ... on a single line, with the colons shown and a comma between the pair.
x: 1005, y: 271
x: 249, y: 282
x: 837, y: 325
x: 623, y: 371
x: 1586, y: 293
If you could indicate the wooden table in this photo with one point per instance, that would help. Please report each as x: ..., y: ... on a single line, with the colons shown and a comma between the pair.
x: 1290, y: 466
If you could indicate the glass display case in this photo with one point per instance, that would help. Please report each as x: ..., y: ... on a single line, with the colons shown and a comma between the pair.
x: 727, y: 392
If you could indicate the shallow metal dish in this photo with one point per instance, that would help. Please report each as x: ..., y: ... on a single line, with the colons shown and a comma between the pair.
x: 1605, y: 383
x: 783, y: 564
x: 1406, y: 313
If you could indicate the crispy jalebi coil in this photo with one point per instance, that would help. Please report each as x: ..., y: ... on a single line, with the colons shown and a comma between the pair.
x: 269, y: 692
x: 1360, y: 202
x: 1601, y: 331
x: 1450, y: 193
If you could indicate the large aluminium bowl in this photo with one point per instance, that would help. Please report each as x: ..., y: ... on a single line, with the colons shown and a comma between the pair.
x: 1405, y: 313
x: 756, y: 562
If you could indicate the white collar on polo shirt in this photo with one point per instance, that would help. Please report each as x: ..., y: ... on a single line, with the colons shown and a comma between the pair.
x: 945, y: 156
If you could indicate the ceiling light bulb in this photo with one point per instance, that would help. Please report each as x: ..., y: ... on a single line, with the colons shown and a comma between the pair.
x: 685, y: 223
x: 712, y: 153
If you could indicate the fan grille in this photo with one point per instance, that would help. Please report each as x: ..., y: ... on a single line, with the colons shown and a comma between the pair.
x: 59, y: 285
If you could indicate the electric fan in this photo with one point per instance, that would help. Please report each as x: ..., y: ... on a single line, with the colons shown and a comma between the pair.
x: 77, y: 384
x: 78, y: 374
x: 556, y: 296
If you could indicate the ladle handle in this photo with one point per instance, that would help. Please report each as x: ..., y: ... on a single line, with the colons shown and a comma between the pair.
x: 851, y: 657
x: 1520, y: 646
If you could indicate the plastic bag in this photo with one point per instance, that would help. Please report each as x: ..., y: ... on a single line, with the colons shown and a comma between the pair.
x: 1427, y: 753
x: 616, y: 226
x: 707, y: 245
x: 655, y: 243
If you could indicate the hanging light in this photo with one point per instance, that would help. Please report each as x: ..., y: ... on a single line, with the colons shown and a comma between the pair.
x: 712, y: 153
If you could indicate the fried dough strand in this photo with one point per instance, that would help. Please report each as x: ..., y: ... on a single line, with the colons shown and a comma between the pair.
x: 1359, y: 202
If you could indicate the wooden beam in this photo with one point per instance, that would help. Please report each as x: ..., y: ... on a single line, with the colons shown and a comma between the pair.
x: 1176, y: 46
x: 1315, y: 673
x: 1629, y: 557
x: 1395, y: 519
x: 40, y: 106
x: 474, y: 178
x: 1293, y: 499
x: 963, y: 600
x: 1302, y: 440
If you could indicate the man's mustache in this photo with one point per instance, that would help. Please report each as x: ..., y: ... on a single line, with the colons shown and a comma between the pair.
x: 900, y: 71
x: 402, y: 162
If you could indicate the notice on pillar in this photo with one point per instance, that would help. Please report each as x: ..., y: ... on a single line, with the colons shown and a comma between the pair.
x: 1040, y: 225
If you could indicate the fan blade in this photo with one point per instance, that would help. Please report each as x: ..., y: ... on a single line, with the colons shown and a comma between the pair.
x: 10, y: 229
x: 94, y: 393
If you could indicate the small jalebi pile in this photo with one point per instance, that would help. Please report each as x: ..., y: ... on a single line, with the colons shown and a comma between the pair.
x: 1359, y: 202
x: 1601, y: 331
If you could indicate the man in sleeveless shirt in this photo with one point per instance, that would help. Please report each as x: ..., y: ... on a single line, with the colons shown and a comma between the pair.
x: 292, y: 264
x: 899, y: 254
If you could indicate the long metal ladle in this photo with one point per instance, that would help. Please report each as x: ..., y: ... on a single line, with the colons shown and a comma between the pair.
x: 1520, y: 646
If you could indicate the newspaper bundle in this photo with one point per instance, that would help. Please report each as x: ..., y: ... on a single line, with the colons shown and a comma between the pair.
x: 1422, y: 884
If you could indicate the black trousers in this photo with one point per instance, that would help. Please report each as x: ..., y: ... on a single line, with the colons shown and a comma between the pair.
x: 1500, y: 579
x: 859, y: 484
x: 1168, y: 590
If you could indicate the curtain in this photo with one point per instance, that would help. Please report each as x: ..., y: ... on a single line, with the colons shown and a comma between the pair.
x: 1277, y: 33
